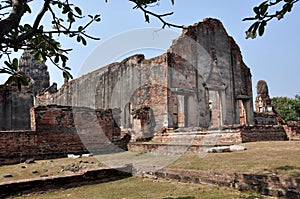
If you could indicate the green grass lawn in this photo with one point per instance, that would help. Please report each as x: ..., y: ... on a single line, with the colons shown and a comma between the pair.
x: 281, y: 158
x: 137, y: 188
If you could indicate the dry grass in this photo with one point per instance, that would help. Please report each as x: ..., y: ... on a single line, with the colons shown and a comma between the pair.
x: 137, y: 188
x: 47, y: 167
x: 281, y: 158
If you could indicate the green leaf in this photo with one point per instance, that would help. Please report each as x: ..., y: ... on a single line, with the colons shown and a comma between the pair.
x: 83, y: 41
x: 69, y: 74
x: 78, y: 10
x: 63, y: 58
x: 66, y: 9
x: 56, y: 59
x: 256, y: 10
x: 263, y: 9
x: 24, y: 80
x: 253, y: 27
x: 10, y: 80
x: 38, y: 56
x: 289, y: 7
x: 71, y: 17
x: 41, y: 28
x: 15, y: 64
x: 147, y: 19
x: 78, y: 38
x: 65, y: 75
x: 80, y: 28
x: 261, y: 29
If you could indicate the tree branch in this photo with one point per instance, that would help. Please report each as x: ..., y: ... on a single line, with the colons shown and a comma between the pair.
x: 158, y: 16
x: 14, y: 18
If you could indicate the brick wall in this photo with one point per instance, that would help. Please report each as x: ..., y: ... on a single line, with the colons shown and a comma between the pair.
x: 259, y: 133
x: 265, y: 118
x: 61, y: 130
x: 292, y: 129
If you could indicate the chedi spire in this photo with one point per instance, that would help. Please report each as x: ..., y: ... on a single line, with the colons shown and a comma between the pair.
x: 36, y: 71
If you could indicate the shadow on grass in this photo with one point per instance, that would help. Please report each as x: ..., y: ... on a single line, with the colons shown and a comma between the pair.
x: 294, y: 169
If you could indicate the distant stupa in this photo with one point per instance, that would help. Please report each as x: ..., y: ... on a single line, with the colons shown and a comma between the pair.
x: 36, y: 71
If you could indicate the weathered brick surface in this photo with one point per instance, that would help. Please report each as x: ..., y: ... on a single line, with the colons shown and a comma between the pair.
x: 16, y: 147
x: 292, y: 129
x: 264, y: 184
x: 60, y: 130
x: 267, y: 118
x: 263, y: 133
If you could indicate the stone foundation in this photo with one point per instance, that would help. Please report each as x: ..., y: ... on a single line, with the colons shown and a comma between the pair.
x: 264, y: 184
x: 263, y: 133
x: 190, y: 141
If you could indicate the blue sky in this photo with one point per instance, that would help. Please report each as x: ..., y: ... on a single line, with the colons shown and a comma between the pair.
x: 272, y: 57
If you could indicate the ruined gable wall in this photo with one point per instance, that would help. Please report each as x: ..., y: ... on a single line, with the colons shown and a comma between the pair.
x: 207, y: 46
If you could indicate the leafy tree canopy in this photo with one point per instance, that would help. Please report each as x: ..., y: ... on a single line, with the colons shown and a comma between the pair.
x: 67, y: 20
x: 288, y: 108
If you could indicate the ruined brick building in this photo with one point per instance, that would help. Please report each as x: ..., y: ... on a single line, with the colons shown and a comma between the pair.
x: 201, y: 81
x: 200, y: 85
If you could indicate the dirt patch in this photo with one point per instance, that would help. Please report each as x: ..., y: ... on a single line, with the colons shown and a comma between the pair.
x: 46, y: 168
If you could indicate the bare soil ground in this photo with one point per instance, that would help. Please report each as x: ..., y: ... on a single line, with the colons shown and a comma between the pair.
x: 45, y: 168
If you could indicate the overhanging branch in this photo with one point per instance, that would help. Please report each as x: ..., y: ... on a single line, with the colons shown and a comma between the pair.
x: 14, y: 18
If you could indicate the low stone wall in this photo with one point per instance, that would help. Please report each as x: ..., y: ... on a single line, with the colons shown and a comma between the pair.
x: 264, y: 184
x: 259, y: 133
x: 63, y: 182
